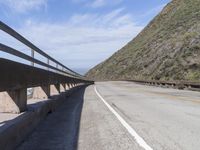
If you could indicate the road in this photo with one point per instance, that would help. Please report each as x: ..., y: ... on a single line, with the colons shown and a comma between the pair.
x: 122, y: 116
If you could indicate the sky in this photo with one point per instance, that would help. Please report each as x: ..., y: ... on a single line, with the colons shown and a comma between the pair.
x: 78, y: 33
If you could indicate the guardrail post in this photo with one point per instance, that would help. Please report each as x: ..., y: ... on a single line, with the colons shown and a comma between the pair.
x: 57, y: 67
x: 48, y: 64
x: 13, y: 101
x: 32, y: 55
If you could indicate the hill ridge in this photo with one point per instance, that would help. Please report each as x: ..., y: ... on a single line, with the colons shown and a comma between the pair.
x: 168, y: 48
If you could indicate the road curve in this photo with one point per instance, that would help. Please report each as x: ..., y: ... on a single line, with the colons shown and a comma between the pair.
x: 165, y: 119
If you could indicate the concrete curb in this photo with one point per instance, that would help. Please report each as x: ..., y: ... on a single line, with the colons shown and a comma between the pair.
x: 22, y: 126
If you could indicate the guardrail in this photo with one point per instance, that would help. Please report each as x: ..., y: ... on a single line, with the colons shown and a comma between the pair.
x: 33, y: 49
x: 175, y: 84
x: 16, y: 77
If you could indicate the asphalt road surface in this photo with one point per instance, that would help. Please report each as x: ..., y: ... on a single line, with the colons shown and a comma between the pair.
x: 122, y: 116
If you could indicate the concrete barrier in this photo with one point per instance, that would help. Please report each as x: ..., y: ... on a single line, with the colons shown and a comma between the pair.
x: 19, y: 128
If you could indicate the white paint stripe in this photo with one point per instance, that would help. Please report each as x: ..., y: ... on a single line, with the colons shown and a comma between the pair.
x: 138, y: 139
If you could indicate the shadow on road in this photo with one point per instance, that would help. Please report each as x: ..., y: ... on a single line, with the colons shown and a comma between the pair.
x: 59, y: 131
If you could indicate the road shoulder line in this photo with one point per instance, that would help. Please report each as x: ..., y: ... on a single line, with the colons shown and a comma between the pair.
x: 133, y: 133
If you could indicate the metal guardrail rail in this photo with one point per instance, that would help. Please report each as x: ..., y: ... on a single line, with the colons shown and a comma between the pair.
x: 65, y: 70
x: 17, y: 77
x: 177, y: 84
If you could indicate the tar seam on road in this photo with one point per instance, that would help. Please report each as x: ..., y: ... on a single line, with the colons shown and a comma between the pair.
x: 138, y: 139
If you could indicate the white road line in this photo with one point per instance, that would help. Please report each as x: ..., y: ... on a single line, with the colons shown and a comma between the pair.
x: 138, y: 139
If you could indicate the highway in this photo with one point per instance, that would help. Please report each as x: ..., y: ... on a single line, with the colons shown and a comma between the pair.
x: 122, y: 116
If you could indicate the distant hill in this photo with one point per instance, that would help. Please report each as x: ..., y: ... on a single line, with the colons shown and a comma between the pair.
x: 167, y: 49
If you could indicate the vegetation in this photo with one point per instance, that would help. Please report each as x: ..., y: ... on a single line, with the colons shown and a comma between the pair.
x: 167, y: 49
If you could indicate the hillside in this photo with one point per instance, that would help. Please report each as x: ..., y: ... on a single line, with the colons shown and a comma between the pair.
x: 167, y: 49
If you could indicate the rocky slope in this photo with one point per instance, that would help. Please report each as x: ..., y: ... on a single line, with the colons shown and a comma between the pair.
x: 167, y: 49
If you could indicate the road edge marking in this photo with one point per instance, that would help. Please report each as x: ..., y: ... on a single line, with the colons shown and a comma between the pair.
x: 138, y: 139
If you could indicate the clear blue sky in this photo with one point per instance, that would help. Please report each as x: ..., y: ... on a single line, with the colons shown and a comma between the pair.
x: 78, y: 33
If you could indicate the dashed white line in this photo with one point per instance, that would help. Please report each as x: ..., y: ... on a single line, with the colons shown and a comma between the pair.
x: 138, y: 139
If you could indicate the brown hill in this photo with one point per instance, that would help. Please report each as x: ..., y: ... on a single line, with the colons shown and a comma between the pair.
x: 167, y: 49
